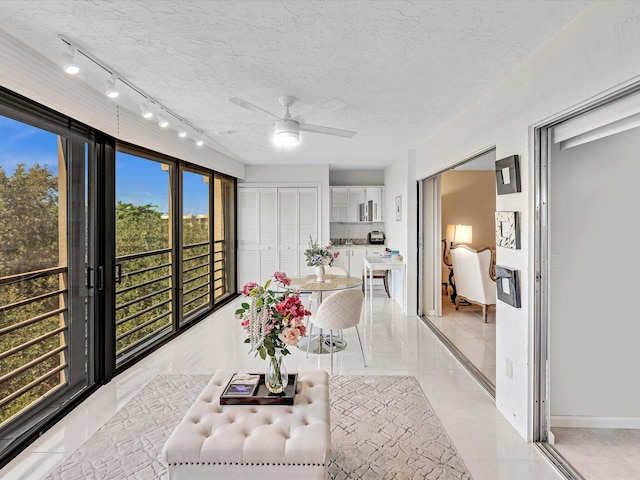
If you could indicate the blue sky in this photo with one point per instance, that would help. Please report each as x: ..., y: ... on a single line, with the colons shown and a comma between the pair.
x: 138, y: 181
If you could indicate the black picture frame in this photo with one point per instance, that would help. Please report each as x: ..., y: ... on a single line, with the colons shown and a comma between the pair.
x: 508, y: 175
x: 508, y: 285
x: 508, y: 230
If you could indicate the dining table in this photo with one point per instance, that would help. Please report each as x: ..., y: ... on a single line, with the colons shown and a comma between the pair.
x: 330, y: 283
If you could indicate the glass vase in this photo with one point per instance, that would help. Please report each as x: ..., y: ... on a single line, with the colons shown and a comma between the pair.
x: 320, y: 273
x: 276, y: 378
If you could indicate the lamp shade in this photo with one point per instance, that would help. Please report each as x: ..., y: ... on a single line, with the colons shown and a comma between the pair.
x: 462, y: 234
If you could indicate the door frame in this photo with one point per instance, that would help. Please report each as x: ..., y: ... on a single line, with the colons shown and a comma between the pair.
x: 542, y: 138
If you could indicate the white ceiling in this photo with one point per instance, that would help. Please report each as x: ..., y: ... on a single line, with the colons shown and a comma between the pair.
x: 404, y: 68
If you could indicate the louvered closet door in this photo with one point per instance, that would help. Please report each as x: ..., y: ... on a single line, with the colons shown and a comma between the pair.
x: 308, y: 224
x: 288, y: 230
x: 268, y: 234
x: 248, y: 228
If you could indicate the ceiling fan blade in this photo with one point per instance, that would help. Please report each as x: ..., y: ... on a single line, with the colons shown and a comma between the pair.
x: 326, y: 130
x: 326, y: 107
x: 254, y: 108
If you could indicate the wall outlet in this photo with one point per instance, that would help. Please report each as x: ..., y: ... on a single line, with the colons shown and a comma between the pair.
x: 509, y: 368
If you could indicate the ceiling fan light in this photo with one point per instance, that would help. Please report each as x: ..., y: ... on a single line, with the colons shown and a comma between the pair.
x: 286, y: 133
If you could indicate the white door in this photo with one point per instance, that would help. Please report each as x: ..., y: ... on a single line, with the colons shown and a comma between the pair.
x: 288, y: 225
x: 308, y: 224
x: 268, y: 233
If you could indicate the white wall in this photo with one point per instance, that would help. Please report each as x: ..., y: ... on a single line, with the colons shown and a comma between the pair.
x: 296, y: 175
x: 28, y: 73
x: 594, y: 333
x: 596, y: 53
x: 399, y: 180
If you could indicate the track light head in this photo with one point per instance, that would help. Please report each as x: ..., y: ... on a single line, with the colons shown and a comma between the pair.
x: 70, y: 65
x: 145, y: 109
x: 162, y: 121
x: 199, y: 141
x: 111, y: 90
x: 182, y: 132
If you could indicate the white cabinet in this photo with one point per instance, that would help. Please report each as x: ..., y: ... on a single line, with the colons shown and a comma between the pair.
x: 340, y: 204
x: 274, y: 226
x: 343, y: 258
x: 373, y: 197
x: 356, y: 261
x: 356, y: 204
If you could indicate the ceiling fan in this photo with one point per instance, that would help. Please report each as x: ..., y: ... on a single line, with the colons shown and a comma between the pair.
x: 286, y: 129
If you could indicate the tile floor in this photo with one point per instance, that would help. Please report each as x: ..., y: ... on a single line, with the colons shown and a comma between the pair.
x: 466, y: 329
x: 394, y: 344
x: 601, y: 453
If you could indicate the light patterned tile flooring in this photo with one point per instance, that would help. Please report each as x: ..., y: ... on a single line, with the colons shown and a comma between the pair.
x: 394, y: 344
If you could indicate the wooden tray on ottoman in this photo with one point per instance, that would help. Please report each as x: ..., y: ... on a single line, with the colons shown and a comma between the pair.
x: 262, y: 395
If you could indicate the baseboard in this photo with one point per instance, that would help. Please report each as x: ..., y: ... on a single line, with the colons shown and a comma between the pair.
x: 594, y: 422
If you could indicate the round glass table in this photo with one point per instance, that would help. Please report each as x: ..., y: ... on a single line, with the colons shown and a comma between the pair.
x: 320, y: 343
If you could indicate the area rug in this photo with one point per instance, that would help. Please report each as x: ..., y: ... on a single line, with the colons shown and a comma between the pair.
x: 382, y: 427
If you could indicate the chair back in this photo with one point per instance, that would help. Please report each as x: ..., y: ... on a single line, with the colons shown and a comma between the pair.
x: 337, y: 271
x: 472, y: 270
x: 339, y: 310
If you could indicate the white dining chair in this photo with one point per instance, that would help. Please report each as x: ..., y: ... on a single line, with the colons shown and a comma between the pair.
x: 339, y: 311
x: 337, y: 271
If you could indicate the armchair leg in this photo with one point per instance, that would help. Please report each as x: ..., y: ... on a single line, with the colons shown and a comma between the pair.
x: 386, y: 282
x: 331, y: 348
x: 364, y: 362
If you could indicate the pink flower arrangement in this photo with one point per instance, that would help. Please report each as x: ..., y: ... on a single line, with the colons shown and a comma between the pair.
x: 273, y: 320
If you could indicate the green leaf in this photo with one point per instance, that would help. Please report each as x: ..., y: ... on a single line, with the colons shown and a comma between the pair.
x: 245, y: 306
x: 247, y: 340
x: 263, y: 353
x: 240, y: 311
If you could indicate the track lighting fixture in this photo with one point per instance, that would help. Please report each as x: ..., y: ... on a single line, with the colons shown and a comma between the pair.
x: 145, y: 109
x: 71, y: 67
x: 111, y: 90
x: 162, y: 121
x: 116, y: 83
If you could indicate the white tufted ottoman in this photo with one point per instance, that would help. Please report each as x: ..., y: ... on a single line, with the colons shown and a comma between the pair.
x: 261, y: 442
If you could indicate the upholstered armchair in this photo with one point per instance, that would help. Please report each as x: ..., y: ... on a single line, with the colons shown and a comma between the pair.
x: 474, y: 279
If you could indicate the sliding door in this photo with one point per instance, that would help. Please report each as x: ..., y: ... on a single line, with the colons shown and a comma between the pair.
x: 196, y: 243
x: 46, y: 313
x: 144, y: 264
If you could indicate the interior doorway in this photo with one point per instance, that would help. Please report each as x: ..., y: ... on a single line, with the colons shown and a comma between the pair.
x: 586, y: 339
x: 462, y: 198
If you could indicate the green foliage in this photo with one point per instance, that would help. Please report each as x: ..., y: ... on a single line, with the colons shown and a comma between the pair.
x: 28, y: 219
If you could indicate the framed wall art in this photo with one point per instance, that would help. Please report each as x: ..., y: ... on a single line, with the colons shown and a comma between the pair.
x: 508, y: 175
x: 508, y: 285
x: 508, y: 230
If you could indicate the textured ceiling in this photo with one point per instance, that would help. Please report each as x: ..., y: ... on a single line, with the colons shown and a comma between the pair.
x: 403, y: 68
